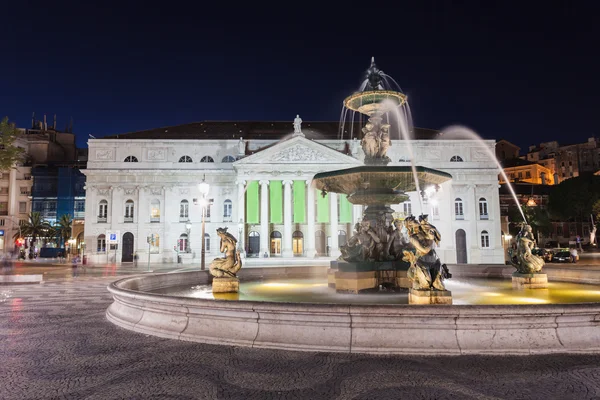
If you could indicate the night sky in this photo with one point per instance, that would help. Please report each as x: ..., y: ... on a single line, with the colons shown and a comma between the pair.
x: 523, y: 73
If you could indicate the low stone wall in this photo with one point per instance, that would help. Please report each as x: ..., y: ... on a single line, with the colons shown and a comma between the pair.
x: 385, y: 329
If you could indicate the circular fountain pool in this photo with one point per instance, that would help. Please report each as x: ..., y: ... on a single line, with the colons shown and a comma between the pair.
x: 473, y: 291
x: 285, y: 321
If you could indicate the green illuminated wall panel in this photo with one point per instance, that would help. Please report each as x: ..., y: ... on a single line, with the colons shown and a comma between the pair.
x: 322, y: 207
x: 345, y: 209
x: 299, y: 202
x: 252, y: 204
x: 276, y: 202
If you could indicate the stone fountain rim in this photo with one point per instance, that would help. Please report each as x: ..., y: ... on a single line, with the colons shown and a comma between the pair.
x: 354, y: 328
x: 381, y: 169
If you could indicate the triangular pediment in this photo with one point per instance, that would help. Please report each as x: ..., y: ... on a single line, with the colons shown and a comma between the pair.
x: 298, y: 150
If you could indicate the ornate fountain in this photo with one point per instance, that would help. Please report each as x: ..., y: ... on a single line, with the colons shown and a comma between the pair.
x: 379, y: 255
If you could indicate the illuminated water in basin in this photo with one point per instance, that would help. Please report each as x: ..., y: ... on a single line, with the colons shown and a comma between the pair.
x: 464, y: 291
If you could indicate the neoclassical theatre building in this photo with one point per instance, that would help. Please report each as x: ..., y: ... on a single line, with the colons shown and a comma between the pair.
x: 143, y: 195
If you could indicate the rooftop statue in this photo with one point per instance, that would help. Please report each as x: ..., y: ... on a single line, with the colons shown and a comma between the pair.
x: 229, y: 265
x: 297, y: 124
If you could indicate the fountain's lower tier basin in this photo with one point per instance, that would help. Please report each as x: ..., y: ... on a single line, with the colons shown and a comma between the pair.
x: 364, y: 276
x: 365, y: 328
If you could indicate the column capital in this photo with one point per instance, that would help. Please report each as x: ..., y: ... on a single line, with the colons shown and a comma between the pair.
x: 264, y: 182
x: 308, y: 182
x: 240, y: 182
x: 287, y: 181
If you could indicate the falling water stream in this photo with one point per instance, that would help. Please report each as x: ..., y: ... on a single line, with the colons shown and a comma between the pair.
x: 461, y: 132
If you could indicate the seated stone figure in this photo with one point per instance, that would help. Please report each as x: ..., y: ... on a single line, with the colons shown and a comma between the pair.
x: 426, y: 270
x: 524, y: 261
x: 397, y: 242
x: 229, y: 265
x: 361, y: 246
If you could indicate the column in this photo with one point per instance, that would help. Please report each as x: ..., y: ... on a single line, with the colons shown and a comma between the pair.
x: 241, y: 214
x: 264, y: 217
x: 288, y: 201
x: 334, y: 250
x: 310, y: 219
x: 357, y: 214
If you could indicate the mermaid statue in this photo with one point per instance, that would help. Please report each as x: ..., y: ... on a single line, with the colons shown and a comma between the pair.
x: 523, y: 259
x: 229, y: 265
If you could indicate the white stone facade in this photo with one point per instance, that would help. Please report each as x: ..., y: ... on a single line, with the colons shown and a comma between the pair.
x: 160, y: 180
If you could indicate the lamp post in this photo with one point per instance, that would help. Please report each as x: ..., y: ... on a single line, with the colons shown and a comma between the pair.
x: 203, y: 187
x: 240, y: 241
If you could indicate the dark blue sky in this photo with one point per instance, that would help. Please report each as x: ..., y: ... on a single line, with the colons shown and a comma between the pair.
x: 513, y: 71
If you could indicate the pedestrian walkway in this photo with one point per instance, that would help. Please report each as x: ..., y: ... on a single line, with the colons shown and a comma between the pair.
x: 57, y: 343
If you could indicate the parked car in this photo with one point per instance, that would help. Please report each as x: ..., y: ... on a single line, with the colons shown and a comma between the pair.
x: 546, y: 254
x: 564, y: 255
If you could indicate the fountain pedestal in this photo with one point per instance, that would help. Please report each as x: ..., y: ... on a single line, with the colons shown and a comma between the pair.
x: 226, y: 285
x: 429, y: 296
x: 529, y: 281
x: 358, y: 276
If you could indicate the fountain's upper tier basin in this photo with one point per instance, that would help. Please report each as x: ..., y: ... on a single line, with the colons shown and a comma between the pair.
x: 375, y: 185
x: 373, y: 101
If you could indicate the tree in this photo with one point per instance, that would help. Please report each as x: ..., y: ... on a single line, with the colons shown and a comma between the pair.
x: 596, y: 211
x: 9, y: 153
x: 62, y: 229
x: 537, y: 218
x: 35, y: 228
x: 574, y: 198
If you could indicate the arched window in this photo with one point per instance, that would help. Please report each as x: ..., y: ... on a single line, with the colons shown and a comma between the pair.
x: 483, y: 208
x: 485, y: 239
x: 155, y: 210
x: 456, y: 159
x: 459, y: 208
x: 131, y: 159
x: 184, y: 209
x: 101, y: 244
x: 207, y: 159
x: 129, y: 211
x: 102, y: 210
x: 185, y: 159
x: 298, y: 243
x: 253, y: 243
x: 206, y: 242
x: 184, y: 244
x: 227, y: 207
x: 228, y: 159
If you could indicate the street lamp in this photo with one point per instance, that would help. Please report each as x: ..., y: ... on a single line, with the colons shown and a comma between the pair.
x: 240, y: 242
x: 203, y: 187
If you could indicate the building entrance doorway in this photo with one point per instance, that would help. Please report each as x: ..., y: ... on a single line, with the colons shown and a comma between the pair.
x: 461, y: 247
x: 253, y: 244
x: 127, y: 255
x: 298, y: 243
x: 275, y: 243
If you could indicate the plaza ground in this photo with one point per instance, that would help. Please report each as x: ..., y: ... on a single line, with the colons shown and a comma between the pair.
x: 57, y: 343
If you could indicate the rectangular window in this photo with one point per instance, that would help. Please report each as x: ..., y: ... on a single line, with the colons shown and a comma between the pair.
x: 458, y: 209
x: 527, y: 174
x: 1, y: 222
x: 435, y: 211
x: 407, y: 208
x: 22, y: 207
x: 3, y: 190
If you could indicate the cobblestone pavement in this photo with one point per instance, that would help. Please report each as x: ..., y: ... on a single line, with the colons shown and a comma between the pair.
x: 55, y: 342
